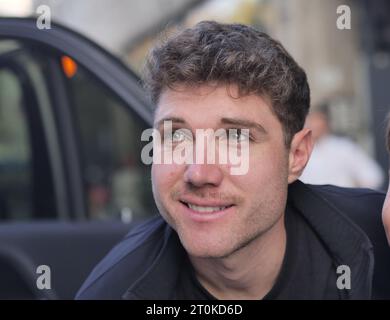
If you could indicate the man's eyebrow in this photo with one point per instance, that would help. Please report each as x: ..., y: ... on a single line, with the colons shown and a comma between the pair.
x: 245, y: 124
x: 160, y: 122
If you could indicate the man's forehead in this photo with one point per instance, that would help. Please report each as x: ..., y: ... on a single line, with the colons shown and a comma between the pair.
x: 210, y: 104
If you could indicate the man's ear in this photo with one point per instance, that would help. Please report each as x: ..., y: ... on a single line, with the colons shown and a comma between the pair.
x: 299, y: 154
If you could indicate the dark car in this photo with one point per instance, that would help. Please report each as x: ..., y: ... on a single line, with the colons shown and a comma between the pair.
x: 71, y: 179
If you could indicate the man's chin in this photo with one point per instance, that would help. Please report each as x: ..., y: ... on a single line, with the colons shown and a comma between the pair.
x: 206, y: 250
x: 212, y: 249
x: 208, y: 254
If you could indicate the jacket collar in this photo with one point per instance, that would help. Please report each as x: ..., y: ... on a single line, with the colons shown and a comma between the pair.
x: 159, y: 280
x: 345, y: 241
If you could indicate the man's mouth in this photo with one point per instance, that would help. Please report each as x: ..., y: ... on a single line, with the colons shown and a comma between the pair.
x: 205, y: 209
x: 210, y: 208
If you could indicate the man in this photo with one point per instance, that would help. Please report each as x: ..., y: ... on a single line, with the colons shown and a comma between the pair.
x: 386, y: 207
x: 257, y: 235
x: 337, y: 160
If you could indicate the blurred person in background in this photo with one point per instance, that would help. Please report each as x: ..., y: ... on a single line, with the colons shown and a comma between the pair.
x: 337, y: 160
x: 386, y: 207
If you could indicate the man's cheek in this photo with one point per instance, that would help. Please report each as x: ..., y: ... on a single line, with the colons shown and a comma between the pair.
x: 166, y: 175
x: 266, y: 168
x: 158, y: 177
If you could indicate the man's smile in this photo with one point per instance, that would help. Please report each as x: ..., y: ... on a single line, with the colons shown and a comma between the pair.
x: 202, y: 210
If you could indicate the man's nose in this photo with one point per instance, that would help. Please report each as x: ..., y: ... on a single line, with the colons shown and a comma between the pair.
x: 203, y: 174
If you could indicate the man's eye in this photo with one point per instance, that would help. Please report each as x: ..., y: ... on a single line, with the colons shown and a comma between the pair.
x: 238, y: 135
x: 178, y: 136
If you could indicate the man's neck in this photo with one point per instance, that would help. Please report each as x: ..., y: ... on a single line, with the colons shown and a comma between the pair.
x: 248, y: 273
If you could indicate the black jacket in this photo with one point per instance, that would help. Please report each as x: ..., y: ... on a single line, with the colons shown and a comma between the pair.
x: 144, y: 265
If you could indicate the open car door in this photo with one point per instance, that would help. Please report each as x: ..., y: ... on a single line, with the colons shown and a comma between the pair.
x: 71, y: 118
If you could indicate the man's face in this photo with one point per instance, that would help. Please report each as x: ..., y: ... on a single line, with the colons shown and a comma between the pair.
x: 386, y: 214
x: 243, y: 206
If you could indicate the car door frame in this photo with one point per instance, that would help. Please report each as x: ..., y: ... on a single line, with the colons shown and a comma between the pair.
x: 105, y: 67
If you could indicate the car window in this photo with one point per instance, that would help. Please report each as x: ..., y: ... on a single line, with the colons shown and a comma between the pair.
x: 116, y: 182
x: 15, y: 153
x: 34, y: 166
x: 26, y: 185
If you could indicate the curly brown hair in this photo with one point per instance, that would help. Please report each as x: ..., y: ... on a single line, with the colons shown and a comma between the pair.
x: 212, y: 52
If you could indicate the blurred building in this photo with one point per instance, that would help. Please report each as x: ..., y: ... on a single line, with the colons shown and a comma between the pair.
x: 115, y: 24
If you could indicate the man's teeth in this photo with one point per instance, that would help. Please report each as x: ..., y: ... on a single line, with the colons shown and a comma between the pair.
x: 205, y: 209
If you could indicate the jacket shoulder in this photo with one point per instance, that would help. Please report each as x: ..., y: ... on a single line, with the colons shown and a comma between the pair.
x: 125, y: 262
x: 364, y: 208
x: 354, y: 200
